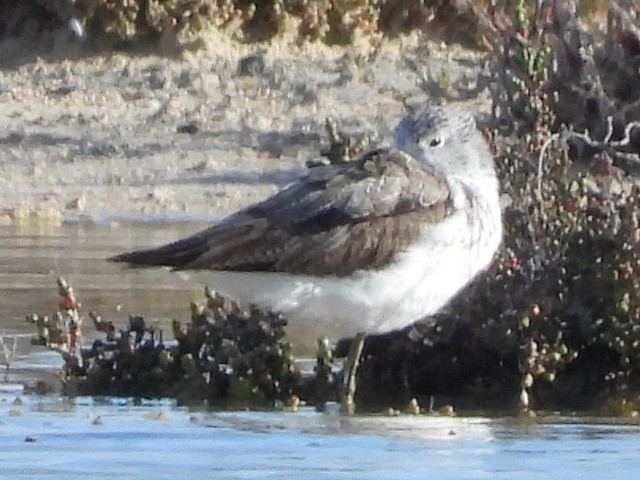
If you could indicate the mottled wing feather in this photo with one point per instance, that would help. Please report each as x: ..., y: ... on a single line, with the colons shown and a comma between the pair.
x: 336, y: 220
x: 345, y: 249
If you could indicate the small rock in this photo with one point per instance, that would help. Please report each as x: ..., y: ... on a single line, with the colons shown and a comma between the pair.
x: 252, y: 65
x: 61, y: 92
x: 206, y: 165
x: 190, y: 128
x: 97, y: 148
x: 184, y: 79
x: 77, y: 203
x: 447, y: 411
x: 157, y: 80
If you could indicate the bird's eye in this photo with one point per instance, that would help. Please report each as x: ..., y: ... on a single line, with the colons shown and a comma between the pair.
x: 435, y: 142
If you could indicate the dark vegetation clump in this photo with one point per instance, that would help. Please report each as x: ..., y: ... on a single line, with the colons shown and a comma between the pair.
x: 331, y: 21
x: 335, y: 22
x: 224, y: 355
x: 555, y: 323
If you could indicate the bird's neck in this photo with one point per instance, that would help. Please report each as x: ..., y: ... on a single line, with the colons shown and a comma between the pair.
x: 483, y: 187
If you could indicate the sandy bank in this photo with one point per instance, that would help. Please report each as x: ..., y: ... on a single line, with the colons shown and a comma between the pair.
x: 102, y: 138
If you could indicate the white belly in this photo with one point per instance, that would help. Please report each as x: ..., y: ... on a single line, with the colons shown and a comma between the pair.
x: 417, y: 283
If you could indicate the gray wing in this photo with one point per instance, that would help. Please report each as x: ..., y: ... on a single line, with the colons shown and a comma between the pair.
x: 336, y: 220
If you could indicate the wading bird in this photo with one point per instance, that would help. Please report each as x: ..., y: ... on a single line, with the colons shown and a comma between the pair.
x: 376, y: 243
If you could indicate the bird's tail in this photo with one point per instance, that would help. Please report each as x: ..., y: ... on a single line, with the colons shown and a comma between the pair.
x: 177, y: 254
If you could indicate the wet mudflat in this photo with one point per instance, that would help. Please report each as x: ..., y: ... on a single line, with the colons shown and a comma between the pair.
x: 53, y: 437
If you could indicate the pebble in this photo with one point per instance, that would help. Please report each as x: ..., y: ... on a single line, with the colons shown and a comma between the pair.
x: 252, y: 65
x: 77, y: 204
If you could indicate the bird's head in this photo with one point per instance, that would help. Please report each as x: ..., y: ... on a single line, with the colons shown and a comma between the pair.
x: 446, y: 138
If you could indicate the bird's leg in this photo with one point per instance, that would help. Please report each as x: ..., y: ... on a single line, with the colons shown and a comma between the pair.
x: 352, y: 363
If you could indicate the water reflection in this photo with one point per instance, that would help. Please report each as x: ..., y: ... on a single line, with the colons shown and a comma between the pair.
x: 31, y: 258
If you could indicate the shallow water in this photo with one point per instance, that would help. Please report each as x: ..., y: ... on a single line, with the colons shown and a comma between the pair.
x: 48, y: 437
x: 33, y: 257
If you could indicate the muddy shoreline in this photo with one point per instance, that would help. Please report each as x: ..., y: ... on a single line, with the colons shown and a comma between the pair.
x: 196, y: 136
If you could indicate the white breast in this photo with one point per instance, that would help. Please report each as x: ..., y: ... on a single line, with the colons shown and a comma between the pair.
x: 417, y: 283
